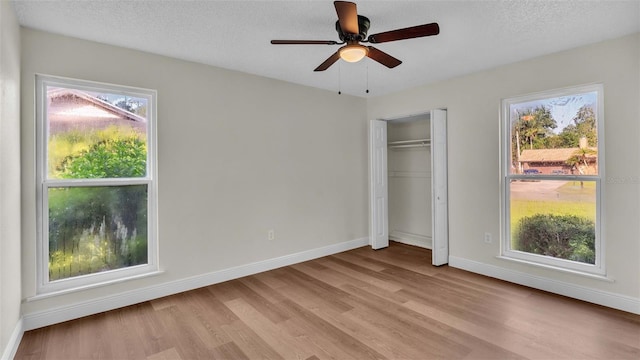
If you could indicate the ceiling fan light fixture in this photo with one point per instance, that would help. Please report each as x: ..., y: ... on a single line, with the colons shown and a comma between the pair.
x: 353, y: 52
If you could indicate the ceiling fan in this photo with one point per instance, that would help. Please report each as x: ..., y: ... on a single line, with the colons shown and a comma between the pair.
x: 352, y: 30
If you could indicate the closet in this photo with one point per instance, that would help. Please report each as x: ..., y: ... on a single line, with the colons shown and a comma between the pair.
x: 409, y: 181
x: 408, y: 200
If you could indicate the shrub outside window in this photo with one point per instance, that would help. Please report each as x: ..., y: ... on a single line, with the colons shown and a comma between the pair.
x: 96, y: 176
x: 552, y: 154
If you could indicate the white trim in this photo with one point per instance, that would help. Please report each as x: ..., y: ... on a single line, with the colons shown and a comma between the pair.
x: 599, y: 267
x: 96, y: 182
x: 91, y: 286
x: 44, y: 285
x: 604, y: 298
x: 14, y: 341
x: 94, y: 306
x: 411, y: 239
x: 556, y: 268
x: 563, y: 265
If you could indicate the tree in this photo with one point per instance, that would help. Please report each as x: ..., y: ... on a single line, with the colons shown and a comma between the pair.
x: 533, y: 126
x: 585, y: 121
x: 581, y: 156
x: 584, y: 125
x: 132, y: 105
x: 579, y: 159
x: 125, y: 104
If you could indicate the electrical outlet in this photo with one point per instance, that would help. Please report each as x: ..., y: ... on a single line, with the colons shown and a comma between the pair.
x: 487, y: 238
x: 271, y: 234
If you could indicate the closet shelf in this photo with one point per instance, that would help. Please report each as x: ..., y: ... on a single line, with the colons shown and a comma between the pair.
x: 409, y: 143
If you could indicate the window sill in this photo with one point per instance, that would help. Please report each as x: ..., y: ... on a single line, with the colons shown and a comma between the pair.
x: 560, y: 269
x: 92, y: 286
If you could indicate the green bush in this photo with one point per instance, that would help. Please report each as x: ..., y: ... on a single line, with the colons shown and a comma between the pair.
x: 561, y: 236
x: 111, y: 158
x: 73, y: 142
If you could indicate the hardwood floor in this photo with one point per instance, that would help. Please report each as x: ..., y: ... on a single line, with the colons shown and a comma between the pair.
x: 360, y: 304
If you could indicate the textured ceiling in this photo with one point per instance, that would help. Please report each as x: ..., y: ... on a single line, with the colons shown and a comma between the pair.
x: 474, y: 35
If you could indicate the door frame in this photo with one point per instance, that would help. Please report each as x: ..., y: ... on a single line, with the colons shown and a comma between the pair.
x: 378, y: 184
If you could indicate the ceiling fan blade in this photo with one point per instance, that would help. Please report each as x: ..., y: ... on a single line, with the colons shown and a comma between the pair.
x: 406, y: 33
x: 383, y: 58
x: 304, y: 42
x: 325, y: 65
x: 347, y: 16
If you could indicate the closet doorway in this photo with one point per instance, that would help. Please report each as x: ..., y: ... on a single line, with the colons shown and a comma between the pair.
x: 408, y: 182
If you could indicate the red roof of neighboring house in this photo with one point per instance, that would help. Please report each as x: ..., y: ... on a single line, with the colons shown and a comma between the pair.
x: 550, y: 155
x: 70, y: 109
x: 62, y: 92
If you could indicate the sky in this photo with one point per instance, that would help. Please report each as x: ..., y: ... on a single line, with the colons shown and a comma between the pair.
x: 563, y: 109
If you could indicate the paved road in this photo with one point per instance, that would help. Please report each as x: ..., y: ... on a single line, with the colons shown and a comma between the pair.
x: 536, y: 190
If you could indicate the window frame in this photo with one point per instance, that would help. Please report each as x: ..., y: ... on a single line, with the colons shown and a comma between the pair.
x: 598, y: 268
x: 43, y: 183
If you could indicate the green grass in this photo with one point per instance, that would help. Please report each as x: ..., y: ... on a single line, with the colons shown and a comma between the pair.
x: 523, y: 208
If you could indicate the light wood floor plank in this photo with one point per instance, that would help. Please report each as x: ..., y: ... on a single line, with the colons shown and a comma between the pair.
x: 169, y: 354
x: 360, y: 304
x: 249, y: 342
x: 507, y: 338
x: 347, y: 343
x: 429, y: 335
x: 276, y: 337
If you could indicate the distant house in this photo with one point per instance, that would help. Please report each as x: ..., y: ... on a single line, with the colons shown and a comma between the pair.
x: 70, y: 109
x: 554, y: 161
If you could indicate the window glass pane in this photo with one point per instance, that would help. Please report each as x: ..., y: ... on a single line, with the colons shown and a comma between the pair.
x: 95, y: 135
x: 554, y: 218
x: 96, y: 229
x: 555, y: 136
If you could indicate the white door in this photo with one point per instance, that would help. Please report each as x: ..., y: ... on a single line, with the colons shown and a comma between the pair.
x: 440, y: 250
x: 378, y: 204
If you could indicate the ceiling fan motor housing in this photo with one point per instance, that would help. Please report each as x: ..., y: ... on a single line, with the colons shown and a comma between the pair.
x: 363, y: 27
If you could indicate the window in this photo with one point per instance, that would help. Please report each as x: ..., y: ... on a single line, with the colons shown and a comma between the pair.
x: 552, y: 170
x: 96, y: 183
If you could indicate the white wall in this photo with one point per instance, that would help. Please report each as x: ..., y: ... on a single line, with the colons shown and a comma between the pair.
x: 10, y: 287
x: 473, y: 104
x: 238, y: 155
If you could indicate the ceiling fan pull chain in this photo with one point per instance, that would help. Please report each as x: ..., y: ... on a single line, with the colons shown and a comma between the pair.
x: 339, y: 79
x: 367, y: 91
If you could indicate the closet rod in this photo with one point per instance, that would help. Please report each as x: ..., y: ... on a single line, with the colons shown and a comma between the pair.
x: 416, y: 141
x: 408, y: 146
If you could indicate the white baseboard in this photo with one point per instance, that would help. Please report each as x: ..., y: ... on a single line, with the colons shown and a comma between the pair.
x: 604, y: 298
x: 14, y: 341
x: 411, y: 239
x: 95, y: 306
